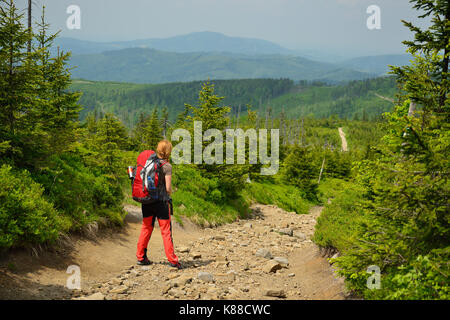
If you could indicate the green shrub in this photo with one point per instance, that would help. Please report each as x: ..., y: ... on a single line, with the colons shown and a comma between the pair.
x: 200, y: 198
x: 299, y: 171
x: 275, y: 192
x: 25, y: 215
x: 337, y: 225
x: 79, y: 193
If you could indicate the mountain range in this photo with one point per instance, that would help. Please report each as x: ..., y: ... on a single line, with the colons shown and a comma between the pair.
x: 203, y: 55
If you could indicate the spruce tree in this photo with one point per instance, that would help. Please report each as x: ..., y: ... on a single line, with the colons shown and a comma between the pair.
x: 56, y: 109
x: 17, y: 79
x: 406, y: 230
x: 152, y: 132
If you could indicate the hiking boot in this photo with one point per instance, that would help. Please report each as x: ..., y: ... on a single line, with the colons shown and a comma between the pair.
x: 176, y: 265
x: 144, y: 262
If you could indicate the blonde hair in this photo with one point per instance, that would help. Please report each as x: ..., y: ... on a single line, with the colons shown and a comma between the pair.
x: 164, y: 149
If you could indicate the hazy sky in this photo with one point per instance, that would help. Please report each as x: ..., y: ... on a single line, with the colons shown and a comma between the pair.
x: 334, y: 25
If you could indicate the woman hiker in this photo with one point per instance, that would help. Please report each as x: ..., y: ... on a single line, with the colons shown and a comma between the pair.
x: 161, y: 210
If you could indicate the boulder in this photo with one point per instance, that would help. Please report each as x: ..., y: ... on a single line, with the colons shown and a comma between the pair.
x: 283, y: 261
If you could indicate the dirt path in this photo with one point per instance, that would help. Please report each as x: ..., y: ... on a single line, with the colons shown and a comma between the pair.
x: 229, y: 262
x: 344, y: 140
x: 384, y: 98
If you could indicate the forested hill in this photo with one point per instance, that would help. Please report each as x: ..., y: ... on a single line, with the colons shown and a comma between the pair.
x: 128, y: 100
x: 356, y: 99
x: 143, y: 65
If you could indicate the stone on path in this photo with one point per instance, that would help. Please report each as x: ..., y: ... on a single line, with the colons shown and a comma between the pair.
x: 281, y: 260
x: 183, y: 249
x: 196, y: 255
x: 272, y: 266
x: 299, y: 234
x: 264, y: 253
x: 286, y: 231
x: 95, y: 296
x: 121, y: 289
x: 205, y: 276
x: 276, y: 293
x: 181, y: 281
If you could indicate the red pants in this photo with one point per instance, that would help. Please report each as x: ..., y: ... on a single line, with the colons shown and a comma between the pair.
x: 162, y: 212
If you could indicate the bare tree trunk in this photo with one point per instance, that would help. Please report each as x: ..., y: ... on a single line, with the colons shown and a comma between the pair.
x: 267, y: 118
x: 30, y: 3
x: 238, y: 116
x: 445, y: 63
x: 321, y: 170
x: 301, y: 139
x: 412, y: 108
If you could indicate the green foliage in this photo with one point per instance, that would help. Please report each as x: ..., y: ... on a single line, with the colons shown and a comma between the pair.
x: 60, y: 177
x: 78, y: 193
x: 149, y: 132
x: 213, y: 116
x: 405, y: 225
x: 347, y: 101
x: 337, y: 226
x: 128, y: 100
x: 38, y: 115
x: 200, y: 198
x: 26, y: 217
x: 298, y: 170
x: 276, y: 192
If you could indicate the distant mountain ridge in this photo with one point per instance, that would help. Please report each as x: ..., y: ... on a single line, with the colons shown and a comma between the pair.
x: 140, y: 65
x: 192, y: 42
x: 377, y: 64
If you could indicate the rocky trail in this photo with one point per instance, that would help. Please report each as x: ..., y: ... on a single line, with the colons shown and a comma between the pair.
x: 269, y: 256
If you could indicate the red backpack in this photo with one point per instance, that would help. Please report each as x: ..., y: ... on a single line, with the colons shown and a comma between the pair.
x: 147, y: 185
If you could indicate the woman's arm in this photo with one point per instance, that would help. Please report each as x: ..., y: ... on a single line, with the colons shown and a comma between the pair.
x: 169, y: 184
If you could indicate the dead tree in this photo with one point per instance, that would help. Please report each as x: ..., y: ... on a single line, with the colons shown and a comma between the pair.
x: 30, y: 3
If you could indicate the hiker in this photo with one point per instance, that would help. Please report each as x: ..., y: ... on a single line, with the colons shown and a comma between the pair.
x: 160, y: 209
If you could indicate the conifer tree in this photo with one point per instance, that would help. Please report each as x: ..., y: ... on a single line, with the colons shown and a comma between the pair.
x: 56, y: 108
x: 17, y: 77
x: 152, y: 132
x: 407, y: 230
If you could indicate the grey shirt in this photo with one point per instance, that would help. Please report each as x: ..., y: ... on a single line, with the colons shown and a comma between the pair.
x: 167, y: 169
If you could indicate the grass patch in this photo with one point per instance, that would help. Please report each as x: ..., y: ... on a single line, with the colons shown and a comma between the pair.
x: 286, y: 197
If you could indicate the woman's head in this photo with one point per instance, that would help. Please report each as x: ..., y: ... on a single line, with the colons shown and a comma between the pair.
x: 164, y: 149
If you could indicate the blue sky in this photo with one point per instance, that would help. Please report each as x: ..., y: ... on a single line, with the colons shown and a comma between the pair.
x: 335, y: 26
